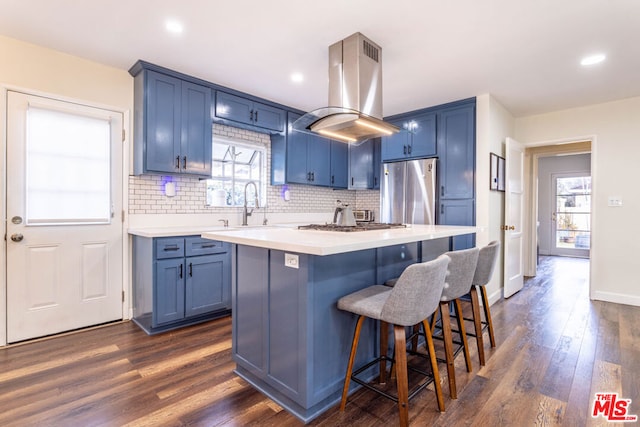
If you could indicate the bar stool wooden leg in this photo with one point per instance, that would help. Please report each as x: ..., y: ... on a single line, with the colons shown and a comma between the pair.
x: 463, y: 334
x: 448, y: 347
x: 352, y: 357
x: 401, y: 373
x: 434, y: 364
x: 477, y: 323
x: 487, y: 314
x: 384, y: 346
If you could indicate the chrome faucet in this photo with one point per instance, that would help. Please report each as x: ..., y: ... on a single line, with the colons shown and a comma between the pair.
x: 245, y: 213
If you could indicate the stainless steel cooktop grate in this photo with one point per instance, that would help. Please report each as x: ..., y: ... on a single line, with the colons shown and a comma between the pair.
x: 366, y: 226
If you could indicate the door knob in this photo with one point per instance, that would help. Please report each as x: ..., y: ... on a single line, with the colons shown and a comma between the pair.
x: 511, y: 227
x: 17, y: 237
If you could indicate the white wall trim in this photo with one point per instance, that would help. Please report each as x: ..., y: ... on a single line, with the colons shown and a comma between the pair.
x: 3, y: 202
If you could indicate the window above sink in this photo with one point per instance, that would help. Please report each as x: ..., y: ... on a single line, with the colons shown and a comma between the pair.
x: 236, y: 162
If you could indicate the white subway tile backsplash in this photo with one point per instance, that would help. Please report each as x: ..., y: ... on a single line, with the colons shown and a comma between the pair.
x: 146, y: 192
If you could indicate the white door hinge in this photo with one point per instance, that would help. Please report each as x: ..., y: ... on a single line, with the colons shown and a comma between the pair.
x: 123, y: 215
x: 123, y: 135
x: 122, y: 296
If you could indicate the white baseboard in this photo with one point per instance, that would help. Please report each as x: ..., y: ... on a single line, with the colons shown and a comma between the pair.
x: 616, y: 298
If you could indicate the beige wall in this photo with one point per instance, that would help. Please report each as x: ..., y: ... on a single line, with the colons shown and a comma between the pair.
x: 45, y: 71
x: 494, y: 124
x: 614, y: 128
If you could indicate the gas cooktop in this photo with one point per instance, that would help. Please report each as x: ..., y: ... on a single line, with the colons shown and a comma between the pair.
x: 362, y: 226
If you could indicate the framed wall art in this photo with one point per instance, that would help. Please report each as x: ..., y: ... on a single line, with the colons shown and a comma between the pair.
x: 496, y: 172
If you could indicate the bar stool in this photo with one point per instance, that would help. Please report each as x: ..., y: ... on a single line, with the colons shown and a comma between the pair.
x: 411, y: 301
x: 462, y: 268
x: 484, y: 270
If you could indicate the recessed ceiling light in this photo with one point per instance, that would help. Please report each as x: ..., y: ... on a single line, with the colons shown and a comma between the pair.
x: 593, y: 59
x: 297, y: 77
x: 174, y: 26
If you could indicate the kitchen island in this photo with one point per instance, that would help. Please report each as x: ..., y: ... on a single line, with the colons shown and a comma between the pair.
x: 289, y: 339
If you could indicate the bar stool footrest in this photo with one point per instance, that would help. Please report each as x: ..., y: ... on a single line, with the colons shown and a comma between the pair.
x: 412, y: 393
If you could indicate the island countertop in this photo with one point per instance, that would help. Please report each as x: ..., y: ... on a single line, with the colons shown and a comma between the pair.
x: 317, y: 242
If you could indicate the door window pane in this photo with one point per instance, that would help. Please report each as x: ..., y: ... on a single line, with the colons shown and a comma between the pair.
x: 67, y: 168
x: 573, y: 212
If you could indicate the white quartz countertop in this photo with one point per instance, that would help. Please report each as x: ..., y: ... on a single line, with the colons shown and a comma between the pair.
x: 172, y: 231
x: 316, y: 242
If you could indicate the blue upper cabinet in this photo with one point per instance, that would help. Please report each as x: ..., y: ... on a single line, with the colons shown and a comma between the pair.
x: 246, y: 111
x: 456, y: 150
x: 196, y: 142
x: 305, y: 158
x: 172, y: 125
x: 361, y: 165
x: 339, y: 164
x: 416, y: 139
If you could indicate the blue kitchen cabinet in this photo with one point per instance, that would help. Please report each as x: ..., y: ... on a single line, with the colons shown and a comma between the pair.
x: 377, y: 162
x: 172, y: 125
x: 249, y: 112
x: 339, y: 164
x: 416, y: 139
x: 169, y: 291
x: 456, y: 151
x: 308, y: 157
x: 458, y: 212
x: 361, y: 165
x: 180, y: 281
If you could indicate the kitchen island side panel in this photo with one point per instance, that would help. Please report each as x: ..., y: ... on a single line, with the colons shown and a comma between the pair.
x: 250, y: 278
x: 287, y: 313
x: 330, y: 329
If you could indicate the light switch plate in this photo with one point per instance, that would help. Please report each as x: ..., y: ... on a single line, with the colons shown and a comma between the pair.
x: 615, y: 201
x: 291, y: 260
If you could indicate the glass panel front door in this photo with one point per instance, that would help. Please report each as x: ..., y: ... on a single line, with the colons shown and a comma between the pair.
x: 572, y: 233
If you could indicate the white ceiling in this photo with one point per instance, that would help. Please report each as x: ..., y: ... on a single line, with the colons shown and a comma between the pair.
x: 524, y: 52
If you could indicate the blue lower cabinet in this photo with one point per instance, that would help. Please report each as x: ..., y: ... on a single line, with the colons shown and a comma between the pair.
x: 458, y: 212
x: 179, y: 281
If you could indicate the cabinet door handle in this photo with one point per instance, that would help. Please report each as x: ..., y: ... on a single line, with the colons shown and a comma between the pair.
x: 180, y: 275
x: 442, y: 209
x: 251, y: 115
x: 178, y: 162
x: 333, y: 179
x: 255, y: 116
x: 184, y: 163
x: 352, y: 181
x: 404, y: 150
x: 442, y: 190
x: 409, y: 149
x: 190, y: 269
x: 313, y: 176
x: 375, y: 181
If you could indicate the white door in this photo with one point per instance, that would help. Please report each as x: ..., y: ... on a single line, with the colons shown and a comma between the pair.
x: 64, y: 228
x: 514, y: 208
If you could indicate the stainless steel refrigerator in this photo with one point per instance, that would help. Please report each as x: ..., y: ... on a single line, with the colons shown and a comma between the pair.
x: 407, y: 192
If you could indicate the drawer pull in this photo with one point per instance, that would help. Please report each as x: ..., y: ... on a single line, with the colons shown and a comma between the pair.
x: 171, y: 248
x: 208, y: 246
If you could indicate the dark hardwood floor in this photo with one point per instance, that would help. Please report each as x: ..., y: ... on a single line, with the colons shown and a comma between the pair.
x: 556, y: 349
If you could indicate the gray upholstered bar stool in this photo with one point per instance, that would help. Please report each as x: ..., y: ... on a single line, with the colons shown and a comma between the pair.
x: 411, y: 301
x: 484, y: 270
x: 461, y: 269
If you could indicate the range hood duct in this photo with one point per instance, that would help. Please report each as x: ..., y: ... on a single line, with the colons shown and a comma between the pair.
x: 355, y: 94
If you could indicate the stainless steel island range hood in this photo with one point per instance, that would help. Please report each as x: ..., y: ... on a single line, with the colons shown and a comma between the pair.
x: 355, y: 94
